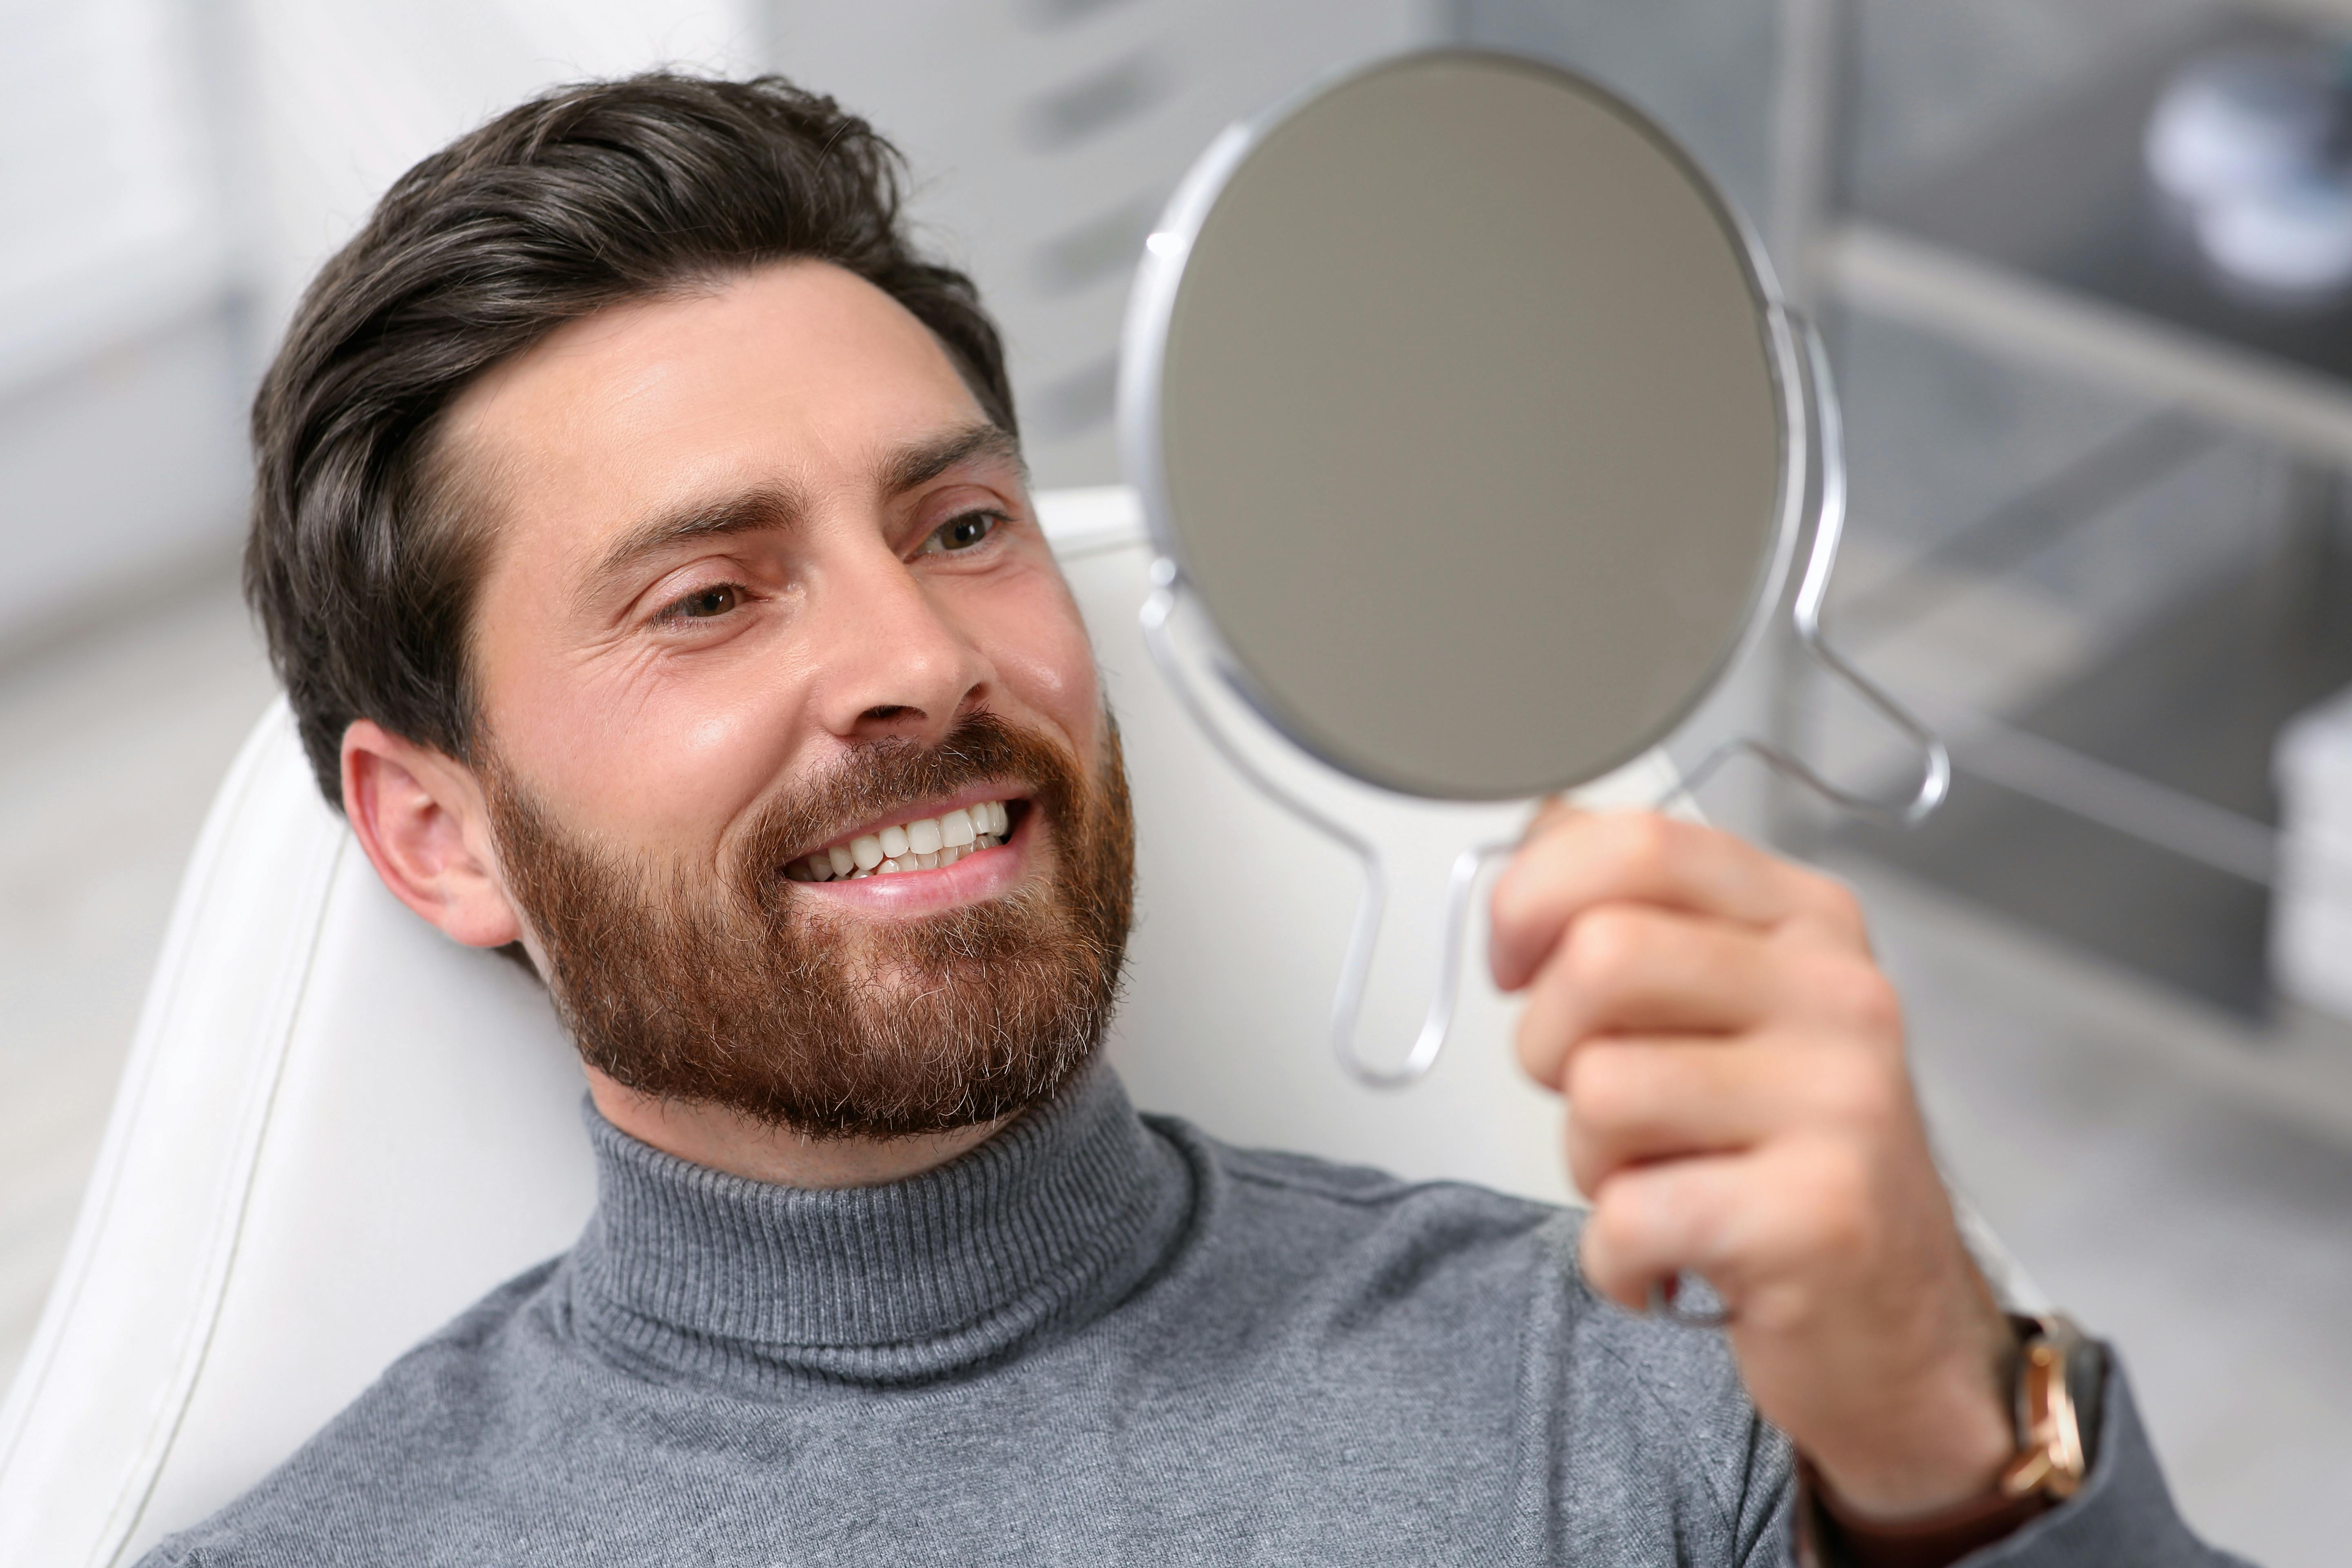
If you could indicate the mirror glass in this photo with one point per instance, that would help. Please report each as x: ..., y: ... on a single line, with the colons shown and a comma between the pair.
x: 1455, y: 400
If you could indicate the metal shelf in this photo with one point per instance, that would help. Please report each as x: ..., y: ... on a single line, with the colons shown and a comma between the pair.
x: 2128, y: 808
x: 2049, y: 244
x: 2321, y: 12
x: 1983, y: 302
x: 2084, y: 814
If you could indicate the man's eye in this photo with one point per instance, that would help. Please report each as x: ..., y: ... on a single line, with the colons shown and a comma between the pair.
x: 963, y: 532
x: 708, y: 601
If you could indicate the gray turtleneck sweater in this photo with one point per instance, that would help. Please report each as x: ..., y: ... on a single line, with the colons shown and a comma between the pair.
x: 1098, y: 1338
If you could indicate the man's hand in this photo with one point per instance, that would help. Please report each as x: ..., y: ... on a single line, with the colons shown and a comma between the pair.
x: 1739, y: 1107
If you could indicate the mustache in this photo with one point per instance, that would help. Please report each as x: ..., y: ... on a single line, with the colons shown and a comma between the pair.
x: 881, y: 775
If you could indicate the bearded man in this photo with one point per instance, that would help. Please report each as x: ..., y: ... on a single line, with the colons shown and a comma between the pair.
x: 643, y: 539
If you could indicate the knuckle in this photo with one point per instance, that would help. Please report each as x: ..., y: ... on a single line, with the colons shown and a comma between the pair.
x: 1857, y: 993
x: 1614, y: 1226
x: 1600, y: 1263
x: 1857, y: 1094
x: 1842, y: 1221
x: 1839, y: 904
x: 1539, y: 1049
x: 1644, y: 843
x: 1512, y: 903
x: 1588, y: 1165
x: 1600, y: 1085
x: 1603, y: 944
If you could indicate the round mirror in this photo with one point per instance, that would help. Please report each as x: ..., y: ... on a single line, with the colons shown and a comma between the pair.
x: 1460, y: 400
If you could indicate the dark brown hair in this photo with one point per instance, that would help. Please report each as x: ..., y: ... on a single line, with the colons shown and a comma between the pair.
x: 361, y: 565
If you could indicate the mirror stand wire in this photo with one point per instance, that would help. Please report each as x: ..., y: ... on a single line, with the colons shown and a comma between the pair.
x: 1821, y: 562
x: 1159, y: 615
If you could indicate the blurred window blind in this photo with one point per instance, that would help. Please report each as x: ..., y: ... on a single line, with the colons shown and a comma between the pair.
x: 1044, y: 137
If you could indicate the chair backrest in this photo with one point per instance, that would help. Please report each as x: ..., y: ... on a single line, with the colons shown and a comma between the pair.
x: 337, y: 1129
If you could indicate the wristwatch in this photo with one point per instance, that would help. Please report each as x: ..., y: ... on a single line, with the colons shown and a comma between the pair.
x: 2060, y: 1373
x: 2057, y: 1381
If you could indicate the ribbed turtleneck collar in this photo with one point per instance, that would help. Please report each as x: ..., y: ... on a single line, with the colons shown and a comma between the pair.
x: 1044, y: 1227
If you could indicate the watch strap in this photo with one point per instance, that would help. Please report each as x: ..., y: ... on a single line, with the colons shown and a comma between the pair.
x: 1829, y: 1536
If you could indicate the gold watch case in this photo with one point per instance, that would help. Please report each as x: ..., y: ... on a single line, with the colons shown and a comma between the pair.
x: 2052, y: 1458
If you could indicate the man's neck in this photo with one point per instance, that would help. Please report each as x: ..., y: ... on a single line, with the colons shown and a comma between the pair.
x: 731, y: 1141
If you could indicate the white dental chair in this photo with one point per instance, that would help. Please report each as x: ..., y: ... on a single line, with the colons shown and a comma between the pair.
x: 337, y: 1129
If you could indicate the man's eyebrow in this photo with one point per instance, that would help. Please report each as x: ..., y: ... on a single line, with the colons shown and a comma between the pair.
x: 768, y: 509
x: 754, y: 512
x: 926, y: 460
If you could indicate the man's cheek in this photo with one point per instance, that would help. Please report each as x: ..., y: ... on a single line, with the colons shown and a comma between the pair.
x: 1043, y: 655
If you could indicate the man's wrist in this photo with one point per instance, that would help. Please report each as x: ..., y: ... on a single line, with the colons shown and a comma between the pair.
x: 2057, y: 1380
x: 1956, y: 1436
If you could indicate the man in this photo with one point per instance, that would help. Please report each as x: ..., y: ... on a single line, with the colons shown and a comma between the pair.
x: 643, y: 539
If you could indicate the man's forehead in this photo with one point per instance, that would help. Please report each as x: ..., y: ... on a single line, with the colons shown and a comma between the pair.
x: 793, y: 376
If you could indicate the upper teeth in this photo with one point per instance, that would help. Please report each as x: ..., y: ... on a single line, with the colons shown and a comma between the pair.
x: 922, y: 845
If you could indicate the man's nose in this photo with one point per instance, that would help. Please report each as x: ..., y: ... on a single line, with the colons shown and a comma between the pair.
x: 888, y: 661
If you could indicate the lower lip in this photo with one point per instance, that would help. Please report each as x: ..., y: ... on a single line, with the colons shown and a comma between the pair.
x: 977, y: 877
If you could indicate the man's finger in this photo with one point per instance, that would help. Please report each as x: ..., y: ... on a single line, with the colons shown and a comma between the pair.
x: 1574, y: 860
x: 1633, y: 1100
x: 1631, y: 969
x: 1650, y: 1222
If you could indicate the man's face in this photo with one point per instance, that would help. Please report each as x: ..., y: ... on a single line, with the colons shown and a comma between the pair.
x: 763, y: 584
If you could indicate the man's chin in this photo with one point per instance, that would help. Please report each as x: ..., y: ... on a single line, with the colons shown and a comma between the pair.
x: 844, y: 1009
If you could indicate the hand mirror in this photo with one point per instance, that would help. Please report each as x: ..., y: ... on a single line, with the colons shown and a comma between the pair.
x: 1474, y: 442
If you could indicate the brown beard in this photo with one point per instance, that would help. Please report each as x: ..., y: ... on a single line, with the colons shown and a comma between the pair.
x: 744, y: 991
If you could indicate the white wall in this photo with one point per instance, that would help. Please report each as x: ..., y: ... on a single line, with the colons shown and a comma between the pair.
x: 343, y: 95
x: 117, y: 355
x: 107, y: 176
x: 118, y: 470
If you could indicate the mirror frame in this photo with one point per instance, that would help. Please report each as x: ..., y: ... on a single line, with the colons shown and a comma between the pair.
x: 1158, y: 282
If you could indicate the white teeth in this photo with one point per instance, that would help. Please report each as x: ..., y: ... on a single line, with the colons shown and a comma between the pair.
x: 860, y: 874
x: 924, y: 845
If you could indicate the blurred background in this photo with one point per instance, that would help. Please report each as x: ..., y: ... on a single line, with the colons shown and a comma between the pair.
x: 2087, y: 269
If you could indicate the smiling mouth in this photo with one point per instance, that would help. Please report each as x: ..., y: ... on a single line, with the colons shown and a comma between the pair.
x: 926, y: 844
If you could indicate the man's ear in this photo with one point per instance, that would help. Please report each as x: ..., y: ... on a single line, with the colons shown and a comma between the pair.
x: 426, y: 829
